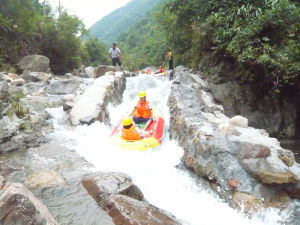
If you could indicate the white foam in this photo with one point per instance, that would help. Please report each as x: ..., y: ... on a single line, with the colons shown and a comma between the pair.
x: 155, y: 171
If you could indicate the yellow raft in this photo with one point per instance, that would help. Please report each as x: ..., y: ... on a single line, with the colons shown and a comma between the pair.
x: 154, y: 139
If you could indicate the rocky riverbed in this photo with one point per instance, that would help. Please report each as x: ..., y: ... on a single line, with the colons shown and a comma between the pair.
x: 43, y: 182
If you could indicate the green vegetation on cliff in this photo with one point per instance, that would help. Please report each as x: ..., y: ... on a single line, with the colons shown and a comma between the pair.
x: 29, y: 27
x: 260, y: 38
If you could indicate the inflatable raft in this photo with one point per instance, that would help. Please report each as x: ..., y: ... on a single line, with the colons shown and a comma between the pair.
x: 153, y: 139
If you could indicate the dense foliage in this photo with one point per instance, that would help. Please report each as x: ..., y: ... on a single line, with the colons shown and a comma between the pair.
x: 261, y: 37
x: 144, y: 44
x: 119, y: 21
x: 29, y: 27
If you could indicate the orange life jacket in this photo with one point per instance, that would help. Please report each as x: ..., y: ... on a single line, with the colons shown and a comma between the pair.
x: 143, y: 110
x: 130, y: 134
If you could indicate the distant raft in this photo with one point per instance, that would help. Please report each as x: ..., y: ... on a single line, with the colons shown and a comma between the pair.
x: 153, y: 139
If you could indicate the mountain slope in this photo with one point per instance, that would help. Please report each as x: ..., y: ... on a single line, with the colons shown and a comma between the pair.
x: 108, y: 29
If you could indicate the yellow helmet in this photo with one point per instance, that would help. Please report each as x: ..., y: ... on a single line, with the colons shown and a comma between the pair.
x: 127, y: 121
x: 142, y: 94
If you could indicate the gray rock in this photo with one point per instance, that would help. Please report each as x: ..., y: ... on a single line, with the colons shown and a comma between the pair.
x: 249, y: 150
x: 87, y: 120
x: 33, y: 87
x: 68, y: 106
x: 8, y: 128
x: 18, y: 82
x: 103, y: 185
x: 19, y: 206
x: 213, y: 146
x: 64, y: 86
x: 266, y: 113
x: 29, y: 76
x: 101, y: 70
x: 125, y: 210
x: 268, y: 172
x: 95, y: 99
x: 35, y: 63
x: 287, y: 157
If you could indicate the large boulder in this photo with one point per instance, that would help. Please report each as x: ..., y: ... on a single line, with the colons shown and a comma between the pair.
x: 101, y: 70
x: 128, y: 211
x: 29, y: 76
x: 94, y: 101
x: 103, y: 185
x: 35, y: 63
x: 9, y: 127
x: 64, y: 86
x: 19, y: 206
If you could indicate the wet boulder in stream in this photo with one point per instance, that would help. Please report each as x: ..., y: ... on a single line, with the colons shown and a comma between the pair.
x: 102, y: 185
x: 123, y: 200
x: 64, y: 86
x: 129, y: 211
x: 223, y: 149
x: 94, y: 101
x: 19, y: 206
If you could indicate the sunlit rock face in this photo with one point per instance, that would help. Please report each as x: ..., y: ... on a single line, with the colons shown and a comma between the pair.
x: 19, y: 206
x: 94, y: 101
x: 225, y: 149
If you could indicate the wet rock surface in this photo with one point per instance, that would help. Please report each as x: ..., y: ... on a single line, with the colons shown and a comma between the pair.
x: 64, y: 86
x: 19, y: 206
x: 103, y: 185
x: 129, y: 211
x: 221, y: 149
x: 95, y: 99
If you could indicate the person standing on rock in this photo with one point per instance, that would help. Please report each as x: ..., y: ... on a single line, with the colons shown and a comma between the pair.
x: 114, y: 53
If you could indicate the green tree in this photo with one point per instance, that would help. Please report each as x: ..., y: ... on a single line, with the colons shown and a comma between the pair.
x: 98, y: 54
x: 260, y: 38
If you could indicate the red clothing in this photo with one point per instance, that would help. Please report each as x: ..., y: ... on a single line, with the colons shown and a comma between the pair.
x: 143, y: 110
x: 130, y: 134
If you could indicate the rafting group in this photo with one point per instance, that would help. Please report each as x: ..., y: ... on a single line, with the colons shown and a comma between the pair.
x: 141, y: 130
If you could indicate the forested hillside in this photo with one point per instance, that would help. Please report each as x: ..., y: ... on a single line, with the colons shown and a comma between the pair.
x: 144, y: 44
x: 258, y: 40
x: 29, y: 27
x: 108, y: 28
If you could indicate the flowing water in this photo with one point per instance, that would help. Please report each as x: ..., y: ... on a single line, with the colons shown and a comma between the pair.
x: 157, y: 172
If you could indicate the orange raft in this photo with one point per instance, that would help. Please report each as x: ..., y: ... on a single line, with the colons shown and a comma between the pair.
x: 153, y: 139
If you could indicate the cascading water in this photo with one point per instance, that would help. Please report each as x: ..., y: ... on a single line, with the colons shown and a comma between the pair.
x: 156, y: 172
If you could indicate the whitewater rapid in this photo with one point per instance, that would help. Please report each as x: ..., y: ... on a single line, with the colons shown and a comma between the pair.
x: 157, y: 172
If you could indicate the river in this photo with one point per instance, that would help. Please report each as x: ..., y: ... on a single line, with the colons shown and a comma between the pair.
x: 158, y: 172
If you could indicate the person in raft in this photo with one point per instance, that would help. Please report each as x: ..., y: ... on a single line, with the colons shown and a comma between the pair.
x: 130, y: 132
x: 142, y: 113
